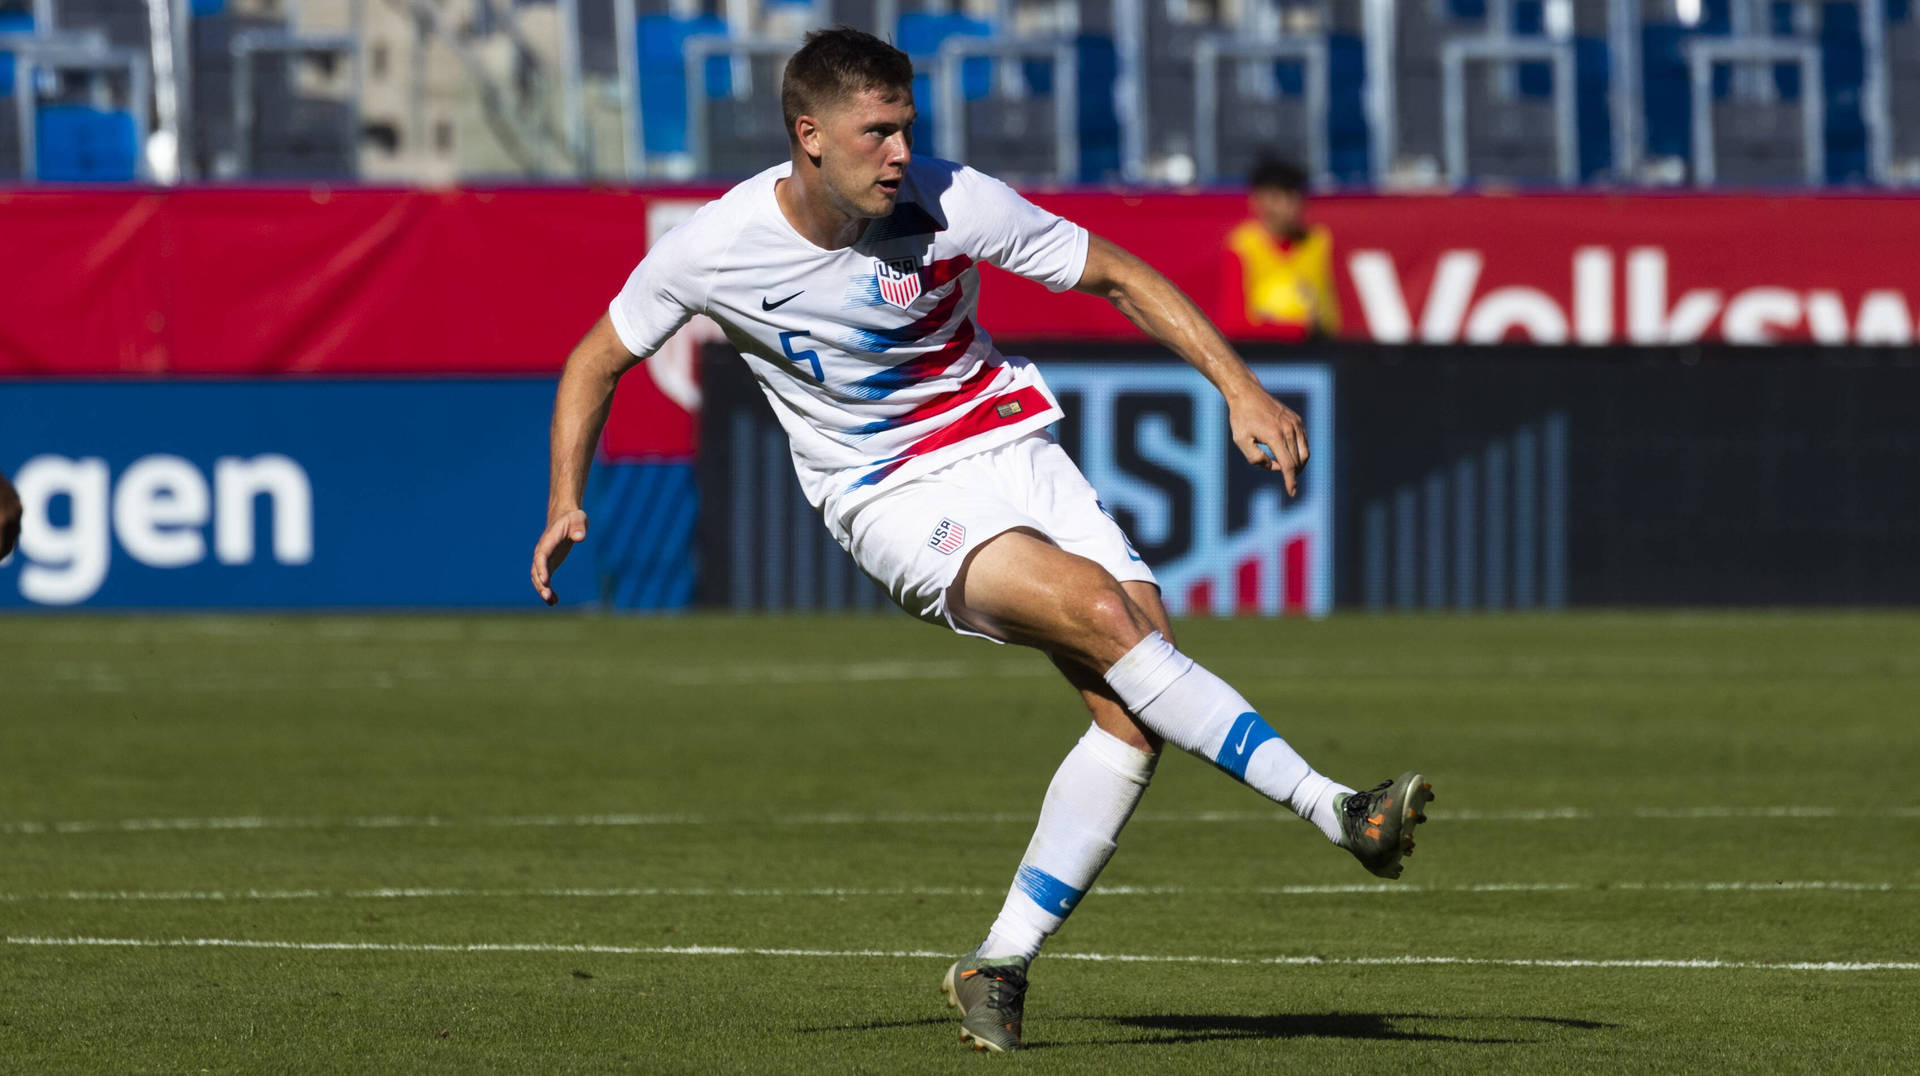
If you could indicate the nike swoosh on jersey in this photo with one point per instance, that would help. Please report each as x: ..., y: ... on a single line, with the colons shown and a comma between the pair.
x: 765, y: 305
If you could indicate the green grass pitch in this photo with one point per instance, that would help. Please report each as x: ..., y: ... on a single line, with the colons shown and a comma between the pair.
x: 706, y: 844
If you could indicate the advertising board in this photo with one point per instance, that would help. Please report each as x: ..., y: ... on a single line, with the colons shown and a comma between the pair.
x: 276, y: 494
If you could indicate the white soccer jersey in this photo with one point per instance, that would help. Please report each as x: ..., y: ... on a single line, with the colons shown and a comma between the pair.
x: 870, y: 355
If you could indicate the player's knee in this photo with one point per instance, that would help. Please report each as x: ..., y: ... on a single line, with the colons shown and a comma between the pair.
x: 1112, y: 618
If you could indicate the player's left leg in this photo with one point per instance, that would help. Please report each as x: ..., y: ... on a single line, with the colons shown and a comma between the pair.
x: 1092, y: 795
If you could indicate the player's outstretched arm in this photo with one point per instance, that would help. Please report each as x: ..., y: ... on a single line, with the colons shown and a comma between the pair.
x: 9, y: 516
x: 579, y: 411
x: 1164, y: 312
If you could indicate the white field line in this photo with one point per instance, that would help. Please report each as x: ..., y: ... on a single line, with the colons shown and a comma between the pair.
x: 929, y: 954
x: 616, y: 892
x: 849, y: 818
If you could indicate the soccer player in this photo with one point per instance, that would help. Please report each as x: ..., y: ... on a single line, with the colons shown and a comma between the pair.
x: 9, y: 516
x: 847, y: 278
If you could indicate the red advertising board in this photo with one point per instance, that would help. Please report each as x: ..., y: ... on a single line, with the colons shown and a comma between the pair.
x: 1576, y: 268
x: 362, y: 281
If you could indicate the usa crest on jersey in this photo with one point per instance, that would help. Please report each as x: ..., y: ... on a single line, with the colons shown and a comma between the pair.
x: 899, y: 280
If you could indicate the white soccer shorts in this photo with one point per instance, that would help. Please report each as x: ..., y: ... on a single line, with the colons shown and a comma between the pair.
x: 914, y: 539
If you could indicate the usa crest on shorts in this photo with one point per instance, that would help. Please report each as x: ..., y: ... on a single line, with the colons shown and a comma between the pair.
x: 899, y: 280
x: 947, y: 537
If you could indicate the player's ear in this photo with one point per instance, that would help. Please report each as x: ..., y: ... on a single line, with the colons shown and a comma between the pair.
x: 809, y: 134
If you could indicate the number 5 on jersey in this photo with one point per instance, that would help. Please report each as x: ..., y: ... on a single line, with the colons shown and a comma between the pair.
x: 812, y: 358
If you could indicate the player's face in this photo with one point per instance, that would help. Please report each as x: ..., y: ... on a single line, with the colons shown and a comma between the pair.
x: 864, y: 149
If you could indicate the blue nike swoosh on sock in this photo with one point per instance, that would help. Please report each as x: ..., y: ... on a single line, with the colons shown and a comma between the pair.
x: 1050, y: 893
x: 1249, y: 731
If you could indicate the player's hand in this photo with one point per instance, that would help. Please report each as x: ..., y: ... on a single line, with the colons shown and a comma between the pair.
x: 562, y: 531
x: 1270, y: 435
x: 9, y: 517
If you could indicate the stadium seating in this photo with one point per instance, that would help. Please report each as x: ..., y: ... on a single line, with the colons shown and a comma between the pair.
x: 1370, y: 92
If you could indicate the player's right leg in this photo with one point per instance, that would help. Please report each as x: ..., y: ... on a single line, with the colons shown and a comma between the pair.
x: 1019, y: 586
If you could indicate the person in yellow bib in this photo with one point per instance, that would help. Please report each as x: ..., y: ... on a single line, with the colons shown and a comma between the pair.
x: 1278, y: 272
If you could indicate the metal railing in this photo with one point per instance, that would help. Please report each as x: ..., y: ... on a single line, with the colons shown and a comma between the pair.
x: 1704, y: 54
x: 696, y: 50
x: 950, y: 126
x: 1875, y: 90
x: 1312, y: 54
x: 1454, y: 56
x: 247, y: 44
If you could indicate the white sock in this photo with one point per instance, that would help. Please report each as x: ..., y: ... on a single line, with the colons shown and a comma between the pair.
x: 1092, y: 795
x: 1198, y: 712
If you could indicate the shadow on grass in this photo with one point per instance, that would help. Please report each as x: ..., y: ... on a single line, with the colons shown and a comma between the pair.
x: 1176, y: 1028
x: 1173, y: 1029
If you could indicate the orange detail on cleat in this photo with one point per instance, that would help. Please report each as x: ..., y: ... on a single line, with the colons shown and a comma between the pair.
x: 1378, y: 820
x: 1374, y: 832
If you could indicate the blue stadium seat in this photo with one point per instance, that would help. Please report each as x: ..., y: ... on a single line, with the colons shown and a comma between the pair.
x: 204, y: 8
x: 77, y: 144
x: 1593, y: 108
x: 920, y: 34
x: 1349, y: 149
x: 663, y: 77
x: 1099, y: 65
x: 11, y: 23
x: 1530, y: 20
x: 1843, y: 62
x: 1665, y: 84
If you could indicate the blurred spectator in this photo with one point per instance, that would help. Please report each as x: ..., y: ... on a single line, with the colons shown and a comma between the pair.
x: 9, y: 516
x: 1277, y: 277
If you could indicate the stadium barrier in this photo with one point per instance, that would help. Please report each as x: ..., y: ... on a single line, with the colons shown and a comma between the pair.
x: 365, y: 281
x: 288, y: 493
x: 1467, y: 477
x: 1523, y: 477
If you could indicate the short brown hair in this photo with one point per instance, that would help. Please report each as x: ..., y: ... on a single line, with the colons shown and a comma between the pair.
x: 836, y: 64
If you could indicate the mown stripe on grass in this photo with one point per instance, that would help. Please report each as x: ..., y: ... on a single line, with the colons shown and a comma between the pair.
x: 614, y: 892
x: 931, y: 954
x: 849, y: 818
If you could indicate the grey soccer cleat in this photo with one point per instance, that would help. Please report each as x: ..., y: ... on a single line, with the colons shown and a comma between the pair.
x: 1377, y: 825
x: 990, y: 995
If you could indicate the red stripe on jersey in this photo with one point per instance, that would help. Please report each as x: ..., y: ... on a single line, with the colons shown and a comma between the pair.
x: 944, y: 270
x: 936, y: 362
x: 964, y: 392
x: 991, y: 414
x: 925, y: 324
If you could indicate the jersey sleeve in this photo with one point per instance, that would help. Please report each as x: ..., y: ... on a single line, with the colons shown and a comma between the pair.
x: 995, y: 224
x: 660, y: 295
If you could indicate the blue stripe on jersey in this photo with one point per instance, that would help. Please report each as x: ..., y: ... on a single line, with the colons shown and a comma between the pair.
x: 1249, y: 731
x: 877, y: 426
x: 863, y: 291
x: 873, y: 341
x: 1051, y: 894
x: 875, y: 476
x: 892, y: 380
